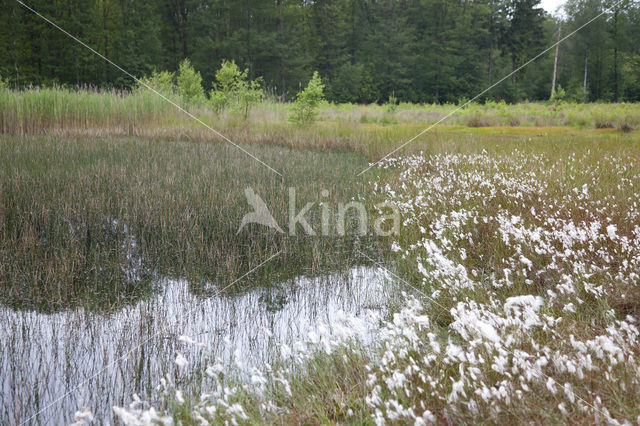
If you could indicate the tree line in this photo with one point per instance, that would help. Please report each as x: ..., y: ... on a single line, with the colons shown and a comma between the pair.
x: 429, y: 51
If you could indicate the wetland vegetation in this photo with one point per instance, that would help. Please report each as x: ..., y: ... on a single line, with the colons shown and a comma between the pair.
x: 200, y: 246
x: 119, y: 224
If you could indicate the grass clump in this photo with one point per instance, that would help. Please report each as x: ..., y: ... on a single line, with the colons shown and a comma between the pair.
x: 603, y: 120
x: 477, y: 121
x: 628, y: 123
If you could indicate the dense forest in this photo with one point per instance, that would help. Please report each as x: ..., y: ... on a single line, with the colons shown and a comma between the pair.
x: 366, y: 50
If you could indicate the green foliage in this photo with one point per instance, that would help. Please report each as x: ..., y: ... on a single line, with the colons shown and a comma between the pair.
x: 233, y: 89
x: 190, y: 84
x: 559, y: 95
x: 392, y: 104
x: 228, y: 76
x: 3, y: 83
x: 304, y: 108
x: 218, y: 100
x: 222, y: 94
x: 425, y: 51
x: 162, y: 81
x: 249, y: 93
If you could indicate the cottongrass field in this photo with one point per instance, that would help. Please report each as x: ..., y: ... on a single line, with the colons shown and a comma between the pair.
x: 510, y: 294
x: 527, y: 270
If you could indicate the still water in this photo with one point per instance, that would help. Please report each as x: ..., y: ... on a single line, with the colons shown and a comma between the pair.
x: 57, y: 363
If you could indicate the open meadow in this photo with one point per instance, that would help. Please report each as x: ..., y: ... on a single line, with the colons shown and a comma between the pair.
x: 510, y: 291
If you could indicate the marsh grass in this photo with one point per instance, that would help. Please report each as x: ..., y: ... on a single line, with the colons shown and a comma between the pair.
x: 111, y: 356
x: 84, y: 174
x: 183, y: 198
x: 71, y: 208
x: 39, y: 110
x: 372, y: 130
x: 92, y: 228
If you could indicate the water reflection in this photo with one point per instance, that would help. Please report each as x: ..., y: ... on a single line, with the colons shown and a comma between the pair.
x: 43, y: 356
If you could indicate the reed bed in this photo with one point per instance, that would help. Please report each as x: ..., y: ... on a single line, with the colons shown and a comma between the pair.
x: 372, y: 130
x: 40, y: 110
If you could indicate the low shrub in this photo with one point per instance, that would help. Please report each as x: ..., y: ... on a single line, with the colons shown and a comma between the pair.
x: 477, y: 121
x: 162, y: 82
x: 190, y: 84
x: 304, y: 108
x: 602, y: 120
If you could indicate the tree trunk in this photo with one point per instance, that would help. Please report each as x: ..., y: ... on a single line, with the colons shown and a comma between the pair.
x: 281, y: 41
x: 584, y: 82
x: 15, y: 47
x: 615, y: 56
x: 555, y: 65
x: 249, y: 41
x: 353, y: 33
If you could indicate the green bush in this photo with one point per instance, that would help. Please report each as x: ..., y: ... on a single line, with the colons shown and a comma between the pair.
x: 304, y: 108
x: 392, y: 103
x: 162, y: 81
x: 234, y: 89
x: 190, y: 84
x: 249, y: 93
x: 559, y: 95
x: 603, y: 119
x: 218, y: 100
x: 222, y: 94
